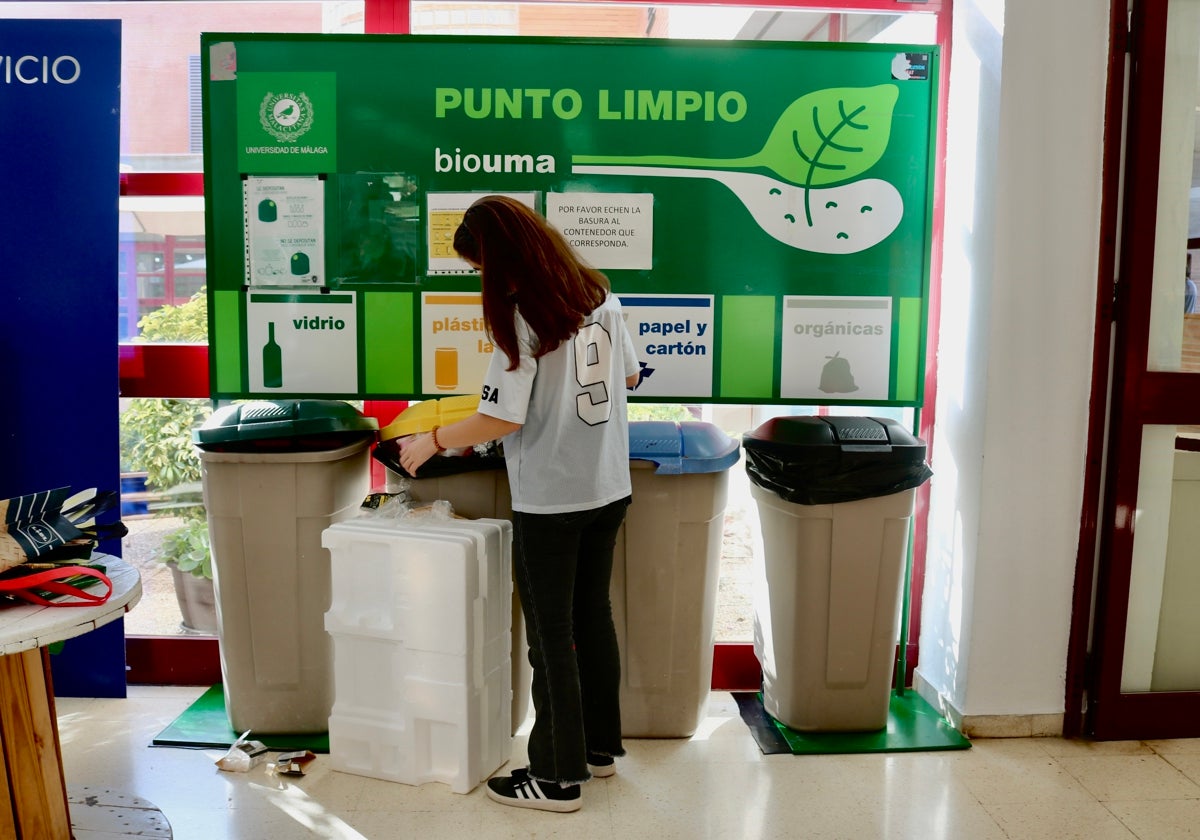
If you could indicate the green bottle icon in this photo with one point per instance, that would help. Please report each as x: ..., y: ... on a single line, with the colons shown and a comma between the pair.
x: 267, y: 211
x: 272, y: 360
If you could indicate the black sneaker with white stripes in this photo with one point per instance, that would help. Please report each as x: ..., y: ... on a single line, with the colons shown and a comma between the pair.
x: 521, y: 791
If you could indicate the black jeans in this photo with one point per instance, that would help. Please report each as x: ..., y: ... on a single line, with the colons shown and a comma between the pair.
x: 563, y: 567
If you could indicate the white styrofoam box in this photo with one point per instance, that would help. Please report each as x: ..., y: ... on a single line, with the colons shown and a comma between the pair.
x: 388, y: 583
x: 433, y: 587
x: 513, y: 620
x: 382, y: 677
x: 445, y: 732
x: 420, y: 619
x: 497, y: 535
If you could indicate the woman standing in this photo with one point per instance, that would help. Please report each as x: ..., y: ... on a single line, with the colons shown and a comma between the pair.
x: 553, y: 391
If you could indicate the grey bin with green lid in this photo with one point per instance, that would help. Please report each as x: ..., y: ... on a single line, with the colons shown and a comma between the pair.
x: 284, y: 425
x: 835, y: 498
x: 276, y: 474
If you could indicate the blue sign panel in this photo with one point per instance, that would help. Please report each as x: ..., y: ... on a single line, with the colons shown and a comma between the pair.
x: 59, y: 155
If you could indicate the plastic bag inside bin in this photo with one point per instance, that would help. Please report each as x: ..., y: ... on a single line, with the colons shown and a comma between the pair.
x: 827, y: 460
x: 485, y: 456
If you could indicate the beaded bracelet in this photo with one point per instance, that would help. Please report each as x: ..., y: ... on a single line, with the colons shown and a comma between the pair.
x: 433, y: 434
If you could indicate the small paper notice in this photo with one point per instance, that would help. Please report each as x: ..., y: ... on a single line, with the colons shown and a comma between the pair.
x: 285, y: 223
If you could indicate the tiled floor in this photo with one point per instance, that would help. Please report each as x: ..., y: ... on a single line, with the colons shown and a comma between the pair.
x: 714, y: 785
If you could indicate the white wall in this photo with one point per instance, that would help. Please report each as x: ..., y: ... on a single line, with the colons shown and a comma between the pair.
x: 1026, y: 122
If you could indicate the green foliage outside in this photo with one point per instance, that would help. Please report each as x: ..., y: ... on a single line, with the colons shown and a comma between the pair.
x: 156, y: 438
x: 659, y: 411
x: 188, y: 548
x: 185, y: 323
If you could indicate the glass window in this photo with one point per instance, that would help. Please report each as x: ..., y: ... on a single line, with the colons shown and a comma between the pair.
x: 1160, y: 632
x: 162, y: 261
x: 162, y: 253
x: 151, y: 286
x: 161, y: 505
x: 166, y: 236
x: 149, y: 261
x: 1174, y: 320
x: 160, y: 116
x: 634, y: 21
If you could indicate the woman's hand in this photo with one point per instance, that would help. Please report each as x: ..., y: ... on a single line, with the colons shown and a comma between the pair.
x: 478, y: 428
x: 415, y: 451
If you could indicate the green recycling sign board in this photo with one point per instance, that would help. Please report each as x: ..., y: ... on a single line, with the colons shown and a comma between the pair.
x: 762, y: 210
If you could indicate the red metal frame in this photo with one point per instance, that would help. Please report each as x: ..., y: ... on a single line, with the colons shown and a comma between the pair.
x: 182, y: 370
x: 925, y: 427
x: 387, y: 17
x: 162, y: 183
x: 172, y: 660
x: 1081, y: 607
x: 1132, y: 338
x: 163, y: 371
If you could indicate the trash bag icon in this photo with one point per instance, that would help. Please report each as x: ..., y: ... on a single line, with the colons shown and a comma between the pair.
x: 836, y: 377
x: 267, y: 211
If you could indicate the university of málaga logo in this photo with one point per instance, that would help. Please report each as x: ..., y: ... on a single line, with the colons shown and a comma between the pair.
x: 286, y: 116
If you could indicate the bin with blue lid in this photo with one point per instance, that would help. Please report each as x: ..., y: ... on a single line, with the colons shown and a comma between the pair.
x: 665, y: 574
x: 276, y: 474
x: 835, y: 498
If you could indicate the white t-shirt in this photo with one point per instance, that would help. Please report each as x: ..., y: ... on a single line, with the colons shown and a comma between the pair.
x: 572, y: 450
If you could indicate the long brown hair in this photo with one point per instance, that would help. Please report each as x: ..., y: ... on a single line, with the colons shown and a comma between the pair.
x: 527, y: 265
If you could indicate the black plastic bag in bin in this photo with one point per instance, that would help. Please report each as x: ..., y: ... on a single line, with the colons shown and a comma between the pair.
x: 488, y: 456
x: 827, y: 460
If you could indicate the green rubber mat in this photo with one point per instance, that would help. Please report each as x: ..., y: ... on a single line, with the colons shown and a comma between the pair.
x: 205, y: 724
x: 912, y: 726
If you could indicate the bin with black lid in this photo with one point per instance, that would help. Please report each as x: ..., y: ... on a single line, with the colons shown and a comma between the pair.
x: 276, y: 474
x: 835, y: 498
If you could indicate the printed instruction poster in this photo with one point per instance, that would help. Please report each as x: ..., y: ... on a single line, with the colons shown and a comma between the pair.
x: 302, y: 343
x: 455, y: 350
x: 673, y: 337
x: 285, y: 231
x: 608, y: 230
x: 836, y: 347
x: 445, y: 215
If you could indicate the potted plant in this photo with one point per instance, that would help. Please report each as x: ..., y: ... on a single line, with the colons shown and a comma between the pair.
x: 187, y: 554
x: 157, y: 440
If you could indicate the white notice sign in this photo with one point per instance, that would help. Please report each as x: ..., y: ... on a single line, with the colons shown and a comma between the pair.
x: 302, y: 343
x: 836, y: 346
x: 608, y: 230
x: 284, y: 230
x: 455, y: 351
x: 673, y: 337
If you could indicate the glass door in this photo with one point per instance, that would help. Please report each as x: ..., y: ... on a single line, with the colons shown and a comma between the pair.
x: 1145, y: 673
